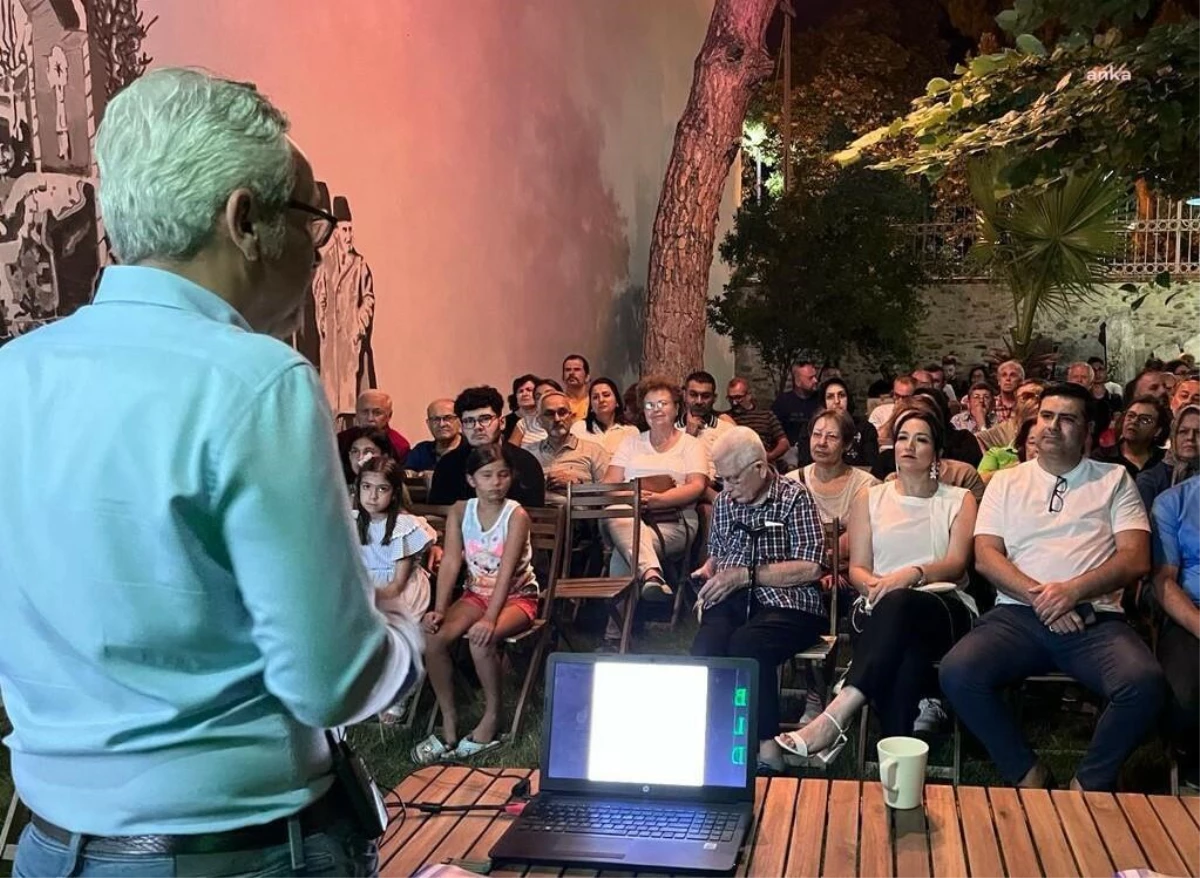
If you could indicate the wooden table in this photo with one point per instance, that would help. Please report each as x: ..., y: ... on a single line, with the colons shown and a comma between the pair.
x: 817, y: 827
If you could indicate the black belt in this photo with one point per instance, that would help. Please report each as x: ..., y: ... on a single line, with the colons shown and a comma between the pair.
x: 317, y: 817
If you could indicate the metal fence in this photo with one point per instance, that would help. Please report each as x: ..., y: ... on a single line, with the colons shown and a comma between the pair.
x: 1163, y: 236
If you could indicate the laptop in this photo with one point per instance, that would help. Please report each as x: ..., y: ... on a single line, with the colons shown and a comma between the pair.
x: 647, y: 762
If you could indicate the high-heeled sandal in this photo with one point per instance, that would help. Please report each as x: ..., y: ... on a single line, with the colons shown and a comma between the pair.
x: 794, y: 743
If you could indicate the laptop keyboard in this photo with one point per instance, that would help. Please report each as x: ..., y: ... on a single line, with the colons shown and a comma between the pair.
x: 630, y: 822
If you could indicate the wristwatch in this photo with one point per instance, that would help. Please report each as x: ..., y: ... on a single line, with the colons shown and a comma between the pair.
x: 920, y: 576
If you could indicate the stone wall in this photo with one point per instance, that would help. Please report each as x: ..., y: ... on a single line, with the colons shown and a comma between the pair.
x: 971, y: 319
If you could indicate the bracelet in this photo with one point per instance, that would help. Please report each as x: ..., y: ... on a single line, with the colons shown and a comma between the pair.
x: 920, y: 576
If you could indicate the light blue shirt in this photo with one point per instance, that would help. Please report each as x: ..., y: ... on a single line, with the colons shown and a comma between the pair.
x: 182, y: 600
x: 1176, y: 518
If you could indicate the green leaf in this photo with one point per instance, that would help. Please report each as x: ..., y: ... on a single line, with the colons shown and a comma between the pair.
x: 936, y: 86
x: 1031, y: 45
x: 1128, y: 288
x: 957, y: 100
x: 1008, y: 20
x: 1137, y: 303
x: 1162, y: 279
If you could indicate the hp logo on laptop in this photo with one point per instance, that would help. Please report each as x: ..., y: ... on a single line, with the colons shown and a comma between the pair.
x: 645, y: 789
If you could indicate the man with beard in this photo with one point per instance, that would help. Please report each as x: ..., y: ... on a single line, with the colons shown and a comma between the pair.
x: 698, y: 418
x: 576, y: 372
x: 565, y: 459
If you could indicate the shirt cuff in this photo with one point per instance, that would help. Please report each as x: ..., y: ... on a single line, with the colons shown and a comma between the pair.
x: 402, y: 665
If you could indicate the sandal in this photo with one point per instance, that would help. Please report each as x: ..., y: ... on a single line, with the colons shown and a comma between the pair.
x: 794, y: 743
x: 431, y: 750
x: 467, y: 748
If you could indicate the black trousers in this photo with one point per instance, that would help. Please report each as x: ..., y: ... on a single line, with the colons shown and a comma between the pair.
x: 770, y: 636
x: 1177, y: 653
x: 902, y: 638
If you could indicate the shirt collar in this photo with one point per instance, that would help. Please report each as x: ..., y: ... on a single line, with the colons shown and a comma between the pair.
x: 143, y: 285
x: 568, y: 444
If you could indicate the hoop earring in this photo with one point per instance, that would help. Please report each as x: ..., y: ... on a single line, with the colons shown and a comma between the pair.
x: 934, y: 469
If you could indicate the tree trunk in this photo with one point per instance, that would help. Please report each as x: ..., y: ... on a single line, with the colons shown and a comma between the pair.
x: 731, y: 62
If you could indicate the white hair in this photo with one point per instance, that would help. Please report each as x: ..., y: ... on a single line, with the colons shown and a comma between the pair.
x: 172, y: 147
x: 740, y: 446
x: 1091, y: 373
x: 1020, y: 368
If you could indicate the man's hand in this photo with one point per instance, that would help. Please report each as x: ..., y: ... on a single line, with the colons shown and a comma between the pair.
x: 482, y: 633
x: 705, y: 570
x: 1069, y: 623
x: 721, y: 585
x: 431, y: 622
x: 694, y: 425
x: 1052, y: 600
x: 557, y: 479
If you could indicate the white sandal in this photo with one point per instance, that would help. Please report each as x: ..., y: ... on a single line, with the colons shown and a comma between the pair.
x: 792, y: 742
x: 467, y: 748
x: 431, y: 750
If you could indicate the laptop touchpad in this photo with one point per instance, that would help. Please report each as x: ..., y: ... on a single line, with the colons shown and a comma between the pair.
x: 589, y: 848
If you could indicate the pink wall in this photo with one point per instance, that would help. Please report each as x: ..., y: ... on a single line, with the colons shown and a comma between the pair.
x: 503, y: 159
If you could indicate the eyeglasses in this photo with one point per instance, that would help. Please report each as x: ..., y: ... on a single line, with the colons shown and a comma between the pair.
x: 321, y: 223
x: 557, y: 414
x: 651, y: 405
x: 1030, y: 394
x: 441, y: 419
x: 481, y: 421
x: 737, y: 477
x: 1141, y: 420
x: 1056, y: 496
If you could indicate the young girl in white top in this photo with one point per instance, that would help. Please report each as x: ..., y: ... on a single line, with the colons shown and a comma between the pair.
x: 490, y: 534
x: 904, y: 535
x: 392, y: 540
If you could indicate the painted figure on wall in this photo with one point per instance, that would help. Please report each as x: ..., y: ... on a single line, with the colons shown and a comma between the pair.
x: 344, y: 299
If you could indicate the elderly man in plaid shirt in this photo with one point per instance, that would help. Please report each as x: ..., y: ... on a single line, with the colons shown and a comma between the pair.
x: 760, y: 597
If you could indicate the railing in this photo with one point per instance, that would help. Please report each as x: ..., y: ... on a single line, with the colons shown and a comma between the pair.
x: 1163, y: 236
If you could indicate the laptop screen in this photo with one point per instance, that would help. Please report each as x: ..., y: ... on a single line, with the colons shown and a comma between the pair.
x: 662, y: 723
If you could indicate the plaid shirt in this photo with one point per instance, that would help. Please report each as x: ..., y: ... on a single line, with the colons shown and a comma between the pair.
x: 801, y: 538
x: 1002, y: 411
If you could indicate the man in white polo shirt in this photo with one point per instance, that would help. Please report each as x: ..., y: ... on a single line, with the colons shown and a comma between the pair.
x: 1059, y: 537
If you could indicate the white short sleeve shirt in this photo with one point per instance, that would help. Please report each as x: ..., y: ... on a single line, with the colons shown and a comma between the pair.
x: 637, y: 457
x: 1098, y: 502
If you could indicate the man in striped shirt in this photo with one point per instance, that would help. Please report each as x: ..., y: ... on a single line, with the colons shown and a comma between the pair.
x: 746, y: 413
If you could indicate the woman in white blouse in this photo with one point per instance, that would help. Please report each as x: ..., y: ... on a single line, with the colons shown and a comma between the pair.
x: 905, y: 535
x: 673, y: 467
x: 605, y: 423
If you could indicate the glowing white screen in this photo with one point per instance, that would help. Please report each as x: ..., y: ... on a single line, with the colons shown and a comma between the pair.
x: 648, y: 724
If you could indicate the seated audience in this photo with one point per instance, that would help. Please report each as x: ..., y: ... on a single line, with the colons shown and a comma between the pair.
x: 863, y: 447
x: 1176, y: 581
x: 977, y: 414
x: 565, y: 458
x: 447, y: 435
x: 576, y: 372
x: 1059, y: 537
x: 1101, y: 384
x: 1149, y: 382
x: 673, y: 468
x: 796, y: 407
x: 1009, y: 376
x: 490, y: 535
x: 699, y: 418
x: 1145, y: 426
x: 1179, y: 463
x: 606, y: 422
x: 902, y: 388
x: 1103, y: 410
x: 744, y: 410
x: 882, y: 385
x: 1024, y: 448
x: 478, y: 410
x: 953, y: 377
x: 938, y: 376
x: 759, y: 597
x: 1186, y: 392
x: 521, y: 425
x: 374, y: 409
x: 958, y: 445
x: 923, y: 377
x: 949, y: 472
x: 1027, y: 396
x: 357, y: 445
x: 904, y: 535
x: 979, y: 375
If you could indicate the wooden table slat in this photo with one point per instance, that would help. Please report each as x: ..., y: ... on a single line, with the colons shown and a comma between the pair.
x: 769, y: 853
x: 875, y: 838
x: 1114, y: 829
x: 760, y: 797
x: 407, y: 790
x: 911, y: 842
x: 472, y: 824
x: 1149, y: 832
x: 1193, y: 807
x: 841, y: 840
x: 983, y: 853
x: 1181, y: 828
x: 808, y: 836
x: 1048, y: 837
x: 945, y: 835
x: 1082, y: 834
x: 430, y: 784
x: 1015, y: 842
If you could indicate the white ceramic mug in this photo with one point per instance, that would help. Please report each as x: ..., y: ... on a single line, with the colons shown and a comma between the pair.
x: 902, y: 771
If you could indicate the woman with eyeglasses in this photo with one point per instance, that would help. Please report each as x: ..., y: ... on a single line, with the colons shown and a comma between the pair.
x: 1144, y: 427
x: 1182, y: 460
x: 910, y: 544
x: 605, y: 423
x: 673, y: 468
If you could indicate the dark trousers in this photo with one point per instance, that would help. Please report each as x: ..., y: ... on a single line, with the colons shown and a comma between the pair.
x: 1010, y: 644
x: 770, y: 636
x: 906, y: 633
x: 1179, y: 655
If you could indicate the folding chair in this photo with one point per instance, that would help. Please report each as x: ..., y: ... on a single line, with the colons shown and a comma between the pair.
x: 545, y: 536
x: 596, y: 502
x: 14, y: 822
x: 417, y: 486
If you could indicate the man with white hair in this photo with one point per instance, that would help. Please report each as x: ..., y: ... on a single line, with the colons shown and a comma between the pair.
x: 1009, y: 376
x: 169, y: 672
x: 374, y: 409
x: 759, y: 597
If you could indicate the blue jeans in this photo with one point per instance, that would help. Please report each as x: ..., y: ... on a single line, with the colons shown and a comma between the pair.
x: 340, y: 850
x: 1010, y: 644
